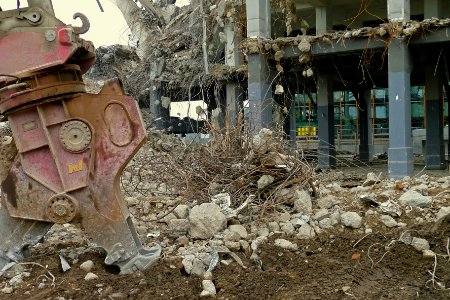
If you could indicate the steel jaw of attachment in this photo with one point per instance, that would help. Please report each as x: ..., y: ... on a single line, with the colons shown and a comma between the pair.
x: 72, y: 151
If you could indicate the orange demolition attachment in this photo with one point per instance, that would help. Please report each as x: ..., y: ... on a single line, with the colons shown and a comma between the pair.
x: 72, y: 146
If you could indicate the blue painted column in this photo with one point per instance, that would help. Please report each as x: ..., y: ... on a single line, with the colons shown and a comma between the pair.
x: 435, y: 148
x: 325, y: 117
x: 365, y: 125
x: 259, y: 78
x: 400, y: 153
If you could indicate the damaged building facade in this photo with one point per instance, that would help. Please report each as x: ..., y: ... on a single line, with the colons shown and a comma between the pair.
x: 397, y: 49
x: 366, y: 76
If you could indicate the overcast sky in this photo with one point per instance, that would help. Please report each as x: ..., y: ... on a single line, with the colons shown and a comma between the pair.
x: 107, y: 28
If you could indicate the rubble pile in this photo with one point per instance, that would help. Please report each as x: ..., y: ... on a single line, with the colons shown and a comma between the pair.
x: 284, y: 205
x: 168, y: 40
x: 116, y: 61
x: 113, y: 61
x: 280, y: 202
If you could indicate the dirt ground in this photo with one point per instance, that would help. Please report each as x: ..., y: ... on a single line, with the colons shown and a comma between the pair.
x: 337, y: 266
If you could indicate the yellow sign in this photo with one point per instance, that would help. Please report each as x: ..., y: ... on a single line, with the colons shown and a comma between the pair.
x: 73, y: 168
x: 306, y: 131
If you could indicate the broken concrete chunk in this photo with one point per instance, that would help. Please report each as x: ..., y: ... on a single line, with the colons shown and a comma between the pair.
x: 181, y: 211
x: 321, y: 214
x: 263, y: 141
x: 206, y: 220
x: 420, y: 244
x: 442, y: 213
x: 371, y: 179
x: 302, y: 202
x: 388, y: 221
x: 304, y: 58
x: 165, y: 102
x: 132, y: 201
x: 304, y: 45
x: 351, y: 219
x: 287, y: 228
x: 327, y: 202
x: 258, y: 242
x: 87, y: 266
x: 428, y: 253
x: 209, y: 289
x: 90, y: 276
x: 265, y: 181
x: 274, y: 226
x: 285, y: 244
x: 284, y: 217
x: 7, y: 290
x: 195, y: 265
x: 239, y: 229
x: 297, y: 222
x: 65, y: 266
x: 180, y: 226
x: 406, y: 238
x: 306, y: 232
x: 415, y: 199
x: 232, y: 236
x: 326, y: 223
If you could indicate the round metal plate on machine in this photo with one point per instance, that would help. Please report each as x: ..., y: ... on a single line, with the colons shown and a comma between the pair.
x: 61, y: 209
x: 75, y: 136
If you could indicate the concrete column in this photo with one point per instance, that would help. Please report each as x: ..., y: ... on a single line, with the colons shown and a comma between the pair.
x: 234, y: 89
x: 259, y: 83
x: 233, y: 55
x: 435, y: 147
x: 365, y: 125
x: 159, y: 107
x: 398, y: 10
x: 292, y: 125
x: 323, y: 20
x: 325, y: 117
x: 258, y: 18
x: 432, y: 9
x: 447, y: 93
x: 400, y: 154
x: 235, y: 97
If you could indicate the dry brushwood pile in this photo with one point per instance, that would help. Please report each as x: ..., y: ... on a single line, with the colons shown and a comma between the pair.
x: 243, y: 168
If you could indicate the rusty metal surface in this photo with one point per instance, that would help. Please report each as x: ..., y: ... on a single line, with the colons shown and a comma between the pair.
x: 38, y: 52
x: 75, y: 136
x: 62, y: 209
x: 85, y: 24
x: 72, y: 146
x: 32, y: 39
x: 54, y: 184
x: 42, y: 85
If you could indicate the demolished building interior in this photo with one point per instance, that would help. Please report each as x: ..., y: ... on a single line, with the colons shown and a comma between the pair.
x: 341, y: 74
